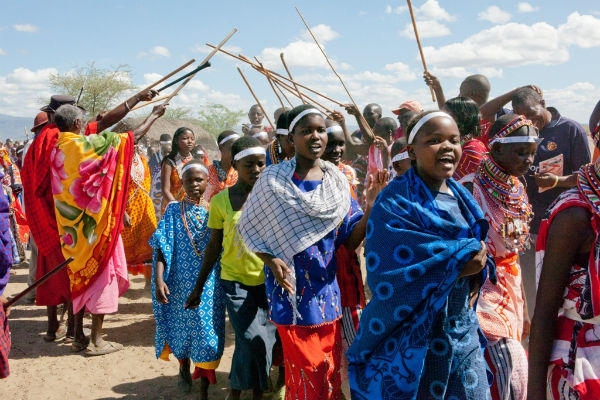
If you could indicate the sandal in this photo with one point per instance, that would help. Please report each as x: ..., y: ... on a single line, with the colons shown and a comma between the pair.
x: 105, y: 348
x: 77, y: 346
x: 60, y: 333
x: 70, y: 339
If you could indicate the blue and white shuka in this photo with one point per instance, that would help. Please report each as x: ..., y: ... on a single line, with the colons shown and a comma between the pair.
x: 182, y: 236
x: 418, y: 337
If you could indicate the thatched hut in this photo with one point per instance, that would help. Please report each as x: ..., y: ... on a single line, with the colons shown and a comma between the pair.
x: 170, y: 126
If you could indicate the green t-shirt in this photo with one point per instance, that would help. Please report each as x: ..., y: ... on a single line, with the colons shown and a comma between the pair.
x: 237, y: 262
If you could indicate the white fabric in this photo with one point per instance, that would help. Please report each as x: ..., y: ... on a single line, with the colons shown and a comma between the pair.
x: 228, y: 138
x: 165, y: 142
x: 302, y: 114
x: 249, y: 152
x: 335, y: 129
x: 281, y: 131
x: 423, y: 121
x: 516, y: 139
x: 194, y: 166
x: 282, y: 220
x: 400, y: 156
x: 259, y: 134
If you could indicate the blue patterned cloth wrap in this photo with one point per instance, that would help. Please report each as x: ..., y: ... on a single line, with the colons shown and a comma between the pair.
x: 415, y: 252
x: 197, y: 334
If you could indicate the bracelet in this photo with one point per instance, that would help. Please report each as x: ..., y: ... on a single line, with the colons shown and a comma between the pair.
x: 127, y: 106
x: 555, y: 182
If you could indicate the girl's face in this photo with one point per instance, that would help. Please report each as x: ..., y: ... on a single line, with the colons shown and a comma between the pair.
x: 194, y: 183
x: 225, y: 149
x: 310, y: 137
x: 186, y: 142
x: 402, y: 166
x: 249, y: 168
x: 436, y: 149
x: 515, y: 158
x: 336, y: 146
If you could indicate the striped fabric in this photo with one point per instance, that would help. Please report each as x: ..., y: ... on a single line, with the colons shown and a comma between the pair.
x: 508, y: 362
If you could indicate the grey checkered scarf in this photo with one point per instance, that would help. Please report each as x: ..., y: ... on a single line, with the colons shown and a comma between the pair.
x: 281, y: 220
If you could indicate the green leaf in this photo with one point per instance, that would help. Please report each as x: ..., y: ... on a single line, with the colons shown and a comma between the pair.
x: 69, y: 230
x: 89, y: 226
x: 67, y: 211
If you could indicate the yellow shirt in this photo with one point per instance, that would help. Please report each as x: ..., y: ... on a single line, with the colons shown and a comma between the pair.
x: 237, y: 262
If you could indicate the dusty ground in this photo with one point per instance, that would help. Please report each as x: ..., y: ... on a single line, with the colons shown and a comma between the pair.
x: 41, y: 370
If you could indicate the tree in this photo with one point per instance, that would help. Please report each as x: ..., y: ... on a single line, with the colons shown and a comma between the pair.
x: 216, y: 118
x: 102, y: 88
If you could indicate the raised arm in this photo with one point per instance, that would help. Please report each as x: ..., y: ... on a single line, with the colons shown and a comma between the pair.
x: 119, y: 112
x: 353, y: 145
x: 491, y: 108
x: 352, y: 110
x: 434, y: 82
x: 140, y: 131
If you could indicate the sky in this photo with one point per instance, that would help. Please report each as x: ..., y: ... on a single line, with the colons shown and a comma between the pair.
x: 553, y: 44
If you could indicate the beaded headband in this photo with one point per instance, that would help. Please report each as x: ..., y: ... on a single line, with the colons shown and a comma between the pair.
x: 281, y: 131
x: 165, y: 142
x: 249, y: 152
x: 197, y: 166
x: 228, y: 138
x: 596, y: 133
x: 335, y: 129
x: 302, y: 114
x: 518, y: 122
x: 423, y: 121
x: 403, y: 155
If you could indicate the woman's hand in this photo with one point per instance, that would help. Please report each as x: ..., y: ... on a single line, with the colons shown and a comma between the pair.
x: 546, y: 180
x: 126, y: 220
x: 375, y: 184
x: 477, y: 263
x: 337, y: 117
x: 161, y: 292
x: 193, y: 300
x: 280, y: 271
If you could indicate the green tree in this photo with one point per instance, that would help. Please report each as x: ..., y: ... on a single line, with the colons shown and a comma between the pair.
x: 216, y: 118
x: 179, y: 113
x: 102, y: 88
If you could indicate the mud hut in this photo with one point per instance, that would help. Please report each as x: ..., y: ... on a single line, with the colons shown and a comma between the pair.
x: 170, y: 126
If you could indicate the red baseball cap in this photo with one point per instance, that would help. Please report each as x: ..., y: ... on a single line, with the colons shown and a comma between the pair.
x: 411, y: 105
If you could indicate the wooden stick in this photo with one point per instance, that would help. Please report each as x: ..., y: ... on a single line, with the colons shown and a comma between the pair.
x: 272, y: 87
x: 26, y: 135
x: 369, y: 132
x: 283, y: 94
x: 412, y: 17
x: 206, y: 60
x: 273, y: 73
x: 170, y: 74
x: 193, y: 72
x: 38, y: 282
x: 149, y: 102
x: 291, y: 79
x: 299, y: 95
x: 255, y: 98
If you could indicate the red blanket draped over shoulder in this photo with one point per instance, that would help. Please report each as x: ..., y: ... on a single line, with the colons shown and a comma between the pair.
x: 39, y: 207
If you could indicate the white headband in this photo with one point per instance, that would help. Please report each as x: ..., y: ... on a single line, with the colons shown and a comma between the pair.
x: 516, y: 139
x: 249, y: 152
x: 259, y: 134
x: 228, y: 138
x: 302, y: 114
x: 335, y: 129
x: 281, y: 131
x: 400, y: 156
x: 165, y: 142
x: 194, y: 166
x: 423, y: 121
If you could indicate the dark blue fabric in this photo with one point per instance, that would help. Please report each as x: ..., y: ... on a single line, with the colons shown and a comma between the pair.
x: 561, y: 136
x: 317, y: 291
x: 6, y: 252
x: 415, y: 251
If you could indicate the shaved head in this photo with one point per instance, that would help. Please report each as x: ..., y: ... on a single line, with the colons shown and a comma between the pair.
x: 476, y: 87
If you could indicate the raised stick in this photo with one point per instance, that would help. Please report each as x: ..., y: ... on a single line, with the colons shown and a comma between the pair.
x: 369, y: 132
x: 273, y: 73
x: 412, y: 17
x: 149, y: 102
x: 255, y: 98
x: 299, y: 94
x: 170, y: 74
x: 272, y: 87
x: 38, y: 282
x: 205, y: 61
x: 283, y: 94
x: 291, y: 79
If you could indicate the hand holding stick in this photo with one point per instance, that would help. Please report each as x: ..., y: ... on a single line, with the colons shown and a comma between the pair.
x: 412, y: 17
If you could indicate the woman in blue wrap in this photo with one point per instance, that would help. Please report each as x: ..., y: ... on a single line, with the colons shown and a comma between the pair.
x: 419, y: 337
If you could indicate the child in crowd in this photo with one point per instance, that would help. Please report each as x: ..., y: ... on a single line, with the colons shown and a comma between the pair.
x: 221, y: 174
x: 280, y: 149
x: 502, y: 310
x: 172, y: 164
x: 334, y: 152
x: 299, y: 213
x: 400, y: 158
x: 179, y: 244
x: 418, y: 336
x: 242, y: 276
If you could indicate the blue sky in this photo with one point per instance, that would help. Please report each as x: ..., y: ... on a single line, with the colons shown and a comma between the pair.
x: 553, y: 44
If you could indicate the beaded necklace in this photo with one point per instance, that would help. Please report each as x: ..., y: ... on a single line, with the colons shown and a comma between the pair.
x: 509, y: 195
x: 588, y: 182
x: 275, y: 152
x: 186, y: 205
x: 221, y: 173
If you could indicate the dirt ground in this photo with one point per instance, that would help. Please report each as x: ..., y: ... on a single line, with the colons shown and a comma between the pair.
x: 41, y: 370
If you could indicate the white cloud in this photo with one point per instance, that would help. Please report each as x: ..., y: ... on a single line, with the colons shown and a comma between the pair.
x: 323, y: 33
x: 2, y: 52
x: 580, y: 30
x: 401, y: 70
x: 461, y: 72
x: 427, y: 29
x: 494, y: 15
x: 431, y: 9
x: 395, y: 10
x: 575, y: 101
x: 25, y: 28
x: 21, y: 89
x: 160, y: 51
x: 526, y: 8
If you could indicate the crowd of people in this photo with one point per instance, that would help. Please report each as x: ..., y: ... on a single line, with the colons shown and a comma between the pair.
x: 460, y: 213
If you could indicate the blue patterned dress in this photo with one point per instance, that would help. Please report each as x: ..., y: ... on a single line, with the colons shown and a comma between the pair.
x: 197, y: 334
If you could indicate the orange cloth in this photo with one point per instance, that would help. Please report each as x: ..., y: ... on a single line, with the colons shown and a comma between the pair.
x: 175, y: 179
x: 215, y: 185
x: 141, y: 213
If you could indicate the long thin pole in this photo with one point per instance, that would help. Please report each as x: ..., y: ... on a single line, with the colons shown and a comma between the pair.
x: 271, y: 84
x: 299, y: 94
x: 283, y: 94
x: 38, y: 282
x: 369, y: 132
x: 412, y: 17
x: 170, y: 74
x: 291, y: 79
x: 149, y: 102
x: 255, y: 98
